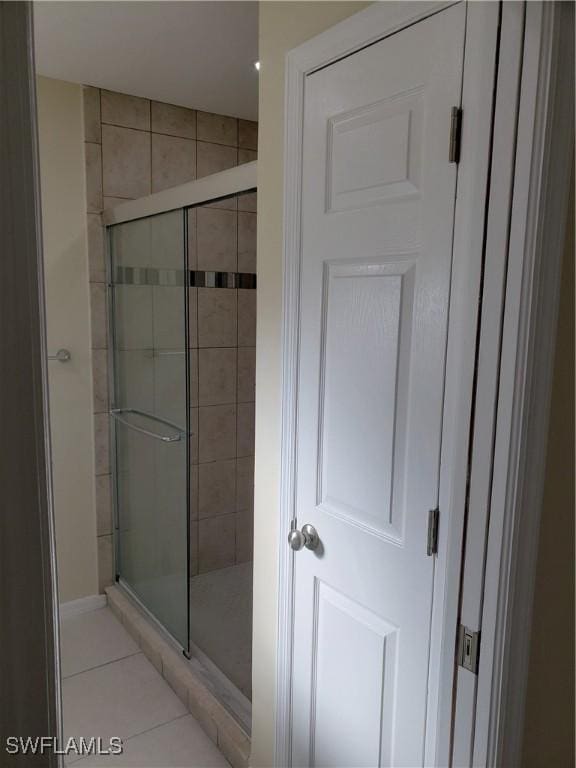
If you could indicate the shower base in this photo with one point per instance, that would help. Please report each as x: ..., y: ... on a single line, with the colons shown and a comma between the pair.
x: 221, y: 621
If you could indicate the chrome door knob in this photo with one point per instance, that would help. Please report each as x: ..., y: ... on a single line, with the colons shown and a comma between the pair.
x: 307, y: 537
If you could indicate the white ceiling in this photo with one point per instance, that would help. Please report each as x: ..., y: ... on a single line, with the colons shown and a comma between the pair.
x: 196, y: 54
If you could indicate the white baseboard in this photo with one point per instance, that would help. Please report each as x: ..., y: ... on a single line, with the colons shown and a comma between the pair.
x: 83, y: 605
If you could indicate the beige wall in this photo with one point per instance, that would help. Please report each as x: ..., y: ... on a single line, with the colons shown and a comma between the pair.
x: 283, y: 25
x: 549, y: 725
x: 68, y: 325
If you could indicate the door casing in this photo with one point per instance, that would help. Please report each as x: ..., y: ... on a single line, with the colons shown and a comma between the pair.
x: 543, y: 167
x: 481, y: 148
x: 30, y: 693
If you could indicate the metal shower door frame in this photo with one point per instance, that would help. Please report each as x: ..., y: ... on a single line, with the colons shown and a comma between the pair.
x: 242, y: 178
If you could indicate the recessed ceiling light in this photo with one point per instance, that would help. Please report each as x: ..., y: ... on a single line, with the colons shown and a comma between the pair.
x: 257, y: 65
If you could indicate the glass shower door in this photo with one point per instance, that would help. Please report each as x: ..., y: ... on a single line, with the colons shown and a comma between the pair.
x: 150, y: 414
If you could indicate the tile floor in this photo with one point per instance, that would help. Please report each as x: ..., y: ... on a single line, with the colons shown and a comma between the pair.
x: 109, y: 688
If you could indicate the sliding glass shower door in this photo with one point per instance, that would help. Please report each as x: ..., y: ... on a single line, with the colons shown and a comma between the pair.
x: 150, y: 414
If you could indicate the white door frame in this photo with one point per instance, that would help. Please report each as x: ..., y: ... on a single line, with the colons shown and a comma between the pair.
x: 543, y: 166
x: 525, y: 365
x: 488, y: 355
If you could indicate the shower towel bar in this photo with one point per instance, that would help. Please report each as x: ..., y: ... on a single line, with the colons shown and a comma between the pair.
x: 63, y: 355
x: 117, y: 414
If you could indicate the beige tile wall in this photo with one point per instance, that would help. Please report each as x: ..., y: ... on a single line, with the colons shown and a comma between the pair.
x: 134, y: 147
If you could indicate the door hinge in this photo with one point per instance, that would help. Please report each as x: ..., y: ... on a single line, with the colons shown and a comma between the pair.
x: 468, y: 649
x: 455, y: 135
x: 433, y: 516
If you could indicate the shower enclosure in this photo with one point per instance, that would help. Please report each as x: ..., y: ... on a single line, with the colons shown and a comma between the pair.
x: 182, y: 299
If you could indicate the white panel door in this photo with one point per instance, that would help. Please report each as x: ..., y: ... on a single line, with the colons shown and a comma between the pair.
x: 378, y: 210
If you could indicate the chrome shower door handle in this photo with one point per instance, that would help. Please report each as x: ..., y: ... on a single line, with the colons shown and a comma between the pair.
x: 307, y: 537
x: 117, y: 414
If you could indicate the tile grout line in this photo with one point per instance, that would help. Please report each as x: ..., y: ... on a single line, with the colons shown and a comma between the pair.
x: 237, y: 365
x: 92, y: 352
x: 173, y: 136
x: 104, y: 664
x: 150, y: 145
x: 197, y: 440
x: 141, y: 733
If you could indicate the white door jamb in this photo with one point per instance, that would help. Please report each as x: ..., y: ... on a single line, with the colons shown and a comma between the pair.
x: 488, y: 361
x: 544, y: 162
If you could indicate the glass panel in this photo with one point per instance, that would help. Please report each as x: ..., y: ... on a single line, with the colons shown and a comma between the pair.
x: 150, y: 393
x: 222, y: 252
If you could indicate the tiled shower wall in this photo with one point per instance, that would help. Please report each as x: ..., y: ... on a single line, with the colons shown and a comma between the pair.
x: 223, y: 338
x: 222, y: 335
x: 134, y: 147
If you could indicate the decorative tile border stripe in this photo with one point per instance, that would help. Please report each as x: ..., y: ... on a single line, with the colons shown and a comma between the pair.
x: 197, y: 278
x: 148, y: 276
x: 205, y: 279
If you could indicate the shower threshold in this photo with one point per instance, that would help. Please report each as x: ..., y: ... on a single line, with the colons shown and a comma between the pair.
x: 221, y: 709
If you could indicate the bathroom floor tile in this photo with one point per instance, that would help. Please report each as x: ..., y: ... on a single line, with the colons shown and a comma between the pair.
x: 91, y: 639
x: 179, y: 744
x: 124, y: 698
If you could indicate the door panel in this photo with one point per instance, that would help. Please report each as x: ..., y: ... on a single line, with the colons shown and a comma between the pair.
x: 374, y: 152
x: 358, y: 730
x: 378, y: 208
x: 151, y: 425
x: 367, y: 311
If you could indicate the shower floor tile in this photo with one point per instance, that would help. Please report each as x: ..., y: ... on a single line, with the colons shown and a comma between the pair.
x: 119, y: 693
x: 221, y: 621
